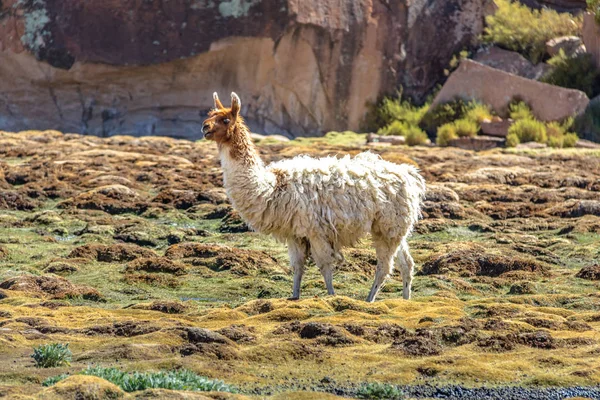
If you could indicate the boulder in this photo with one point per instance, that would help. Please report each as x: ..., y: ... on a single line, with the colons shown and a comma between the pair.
x: 496, y: 88
x: 569, y: 44
x: 591, y: 36
x: 150, y: 67
x: 477, y: 143
x: 511, y: 61
x: 391, y: 139
x: 586, y: 144
x: 497, y: 128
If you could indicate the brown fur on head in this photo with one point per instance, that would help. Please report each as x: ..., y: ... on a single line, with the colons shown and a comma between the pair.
x: 222, y: 122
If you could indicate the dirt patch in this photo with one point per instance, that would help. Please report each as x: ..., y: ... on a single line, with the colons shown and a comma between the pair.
x: 384, y: 333
x: 122, y: 328
x: 239, y: 333
x: 222, y: 258
x: 325, y: 334
x: 591, y: 273
x: 156, y: 264
x: 152, y: 279
x: 419, y: 344
x: 111, y: 253
x: 233, y: 223
x: 575, y: 209
x: 359, y: 261
x: 114, y: 201
x: 10, y: 200
x: 185, y: 199
x: 61, y: 268
x: 475, y: 261
x: 164, y: 306
x: 3, y: 252
x: 521, y: 288
x: 54, y: 287
x: 539, y: 339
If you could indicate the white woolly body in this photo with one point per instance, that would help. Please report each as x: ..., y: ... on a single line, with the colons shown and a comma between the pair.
x: 335, y: 200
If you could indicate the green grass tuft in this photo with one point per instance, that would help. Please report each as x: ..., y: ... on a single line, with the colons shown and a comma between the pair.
x: 52, y: 355
x: 376, y: 390
x: 134, y: 381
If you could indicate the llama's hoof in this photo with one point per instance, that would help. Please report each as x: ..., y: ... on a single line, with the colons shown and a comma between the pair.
x: 293, y: 298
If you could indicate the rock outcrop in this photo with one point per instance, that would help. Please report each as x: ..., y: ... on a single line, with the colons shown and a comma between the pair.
x: 474, y: 81
x: 149, y: 68
x: 572, y: 6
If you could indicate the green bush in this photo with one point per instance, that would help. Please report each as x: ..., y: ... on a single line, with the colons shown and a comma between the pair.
x: 466, y: 128
x: 526, y: 130
x: 134, y: 381
x: 517, y: 27
x: 392, y: 109
x: 577, y: 72
x: 52, y: 355
x: 570, y: 139
x: 394, y: 128
x: 445, y: 113
x: 479, y: 112
x: 415, y: 136
x: 376, y: 391
x: 445, y: 134
x: 520, y: 110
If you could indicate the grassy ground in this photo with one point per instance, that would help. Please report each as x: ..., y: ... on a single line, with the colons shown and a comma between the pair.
x: 109, y: 245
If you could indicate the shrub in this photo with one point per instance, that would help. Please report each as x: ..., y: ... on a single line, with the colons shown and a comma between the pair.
x: 52, y: 355
x: 53, y: 380
x: 415, y: 136
x: 577, y: 72
x: 395, y: 109
x: 479, y: 112
x: 394, y: 128
x: 570, y: 139
x: 173, y: 380
x: 445, y: 134
x: 445, y: 113
x: 517, y: 27
x: 520, y: 110
x: 588, y: 124
x: 377, y: 390
x: 466, y: 128
x: 526, y: 130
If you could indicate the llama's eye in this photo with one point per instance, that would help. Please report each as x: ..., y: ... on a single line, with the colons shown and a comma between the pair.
x: 226, y: 121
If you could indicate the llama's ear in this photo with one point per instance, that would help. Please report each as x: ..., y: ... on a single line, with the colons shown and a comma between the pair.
x: 218, y: 104
x: 236, y: 104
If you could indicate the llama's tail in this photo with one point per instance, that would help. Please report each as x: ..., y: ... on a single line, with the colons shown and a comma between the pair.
x: 415, y: 190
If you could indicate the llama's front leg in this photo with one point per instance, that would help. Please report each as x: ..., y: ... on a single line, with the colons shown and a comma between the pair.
x: 325, y: 258
x: 385, y: 266
x: 297, y: 250
x: 407, y: 266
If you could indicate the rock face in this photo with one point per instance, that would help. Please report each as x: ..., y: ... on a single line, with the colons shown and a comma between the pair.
x: 591, y: 36
x: 568, y: 44
x: 301, y: 67
x: 474, y: 81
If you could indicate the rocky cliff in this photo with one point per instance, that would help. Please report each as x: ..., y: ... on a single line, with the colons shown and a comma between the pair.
x: 147, y: 67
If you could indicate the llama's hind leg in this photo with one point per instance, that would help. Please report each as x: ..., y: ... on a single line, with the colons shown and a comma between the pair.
x: 407, y: 265
x: 325, y: 257
x: 297, y: 251
x: 385, y: 266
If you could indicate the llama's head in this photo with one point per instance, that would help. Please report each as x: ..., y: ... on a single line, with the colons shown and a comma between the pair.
x: 221, y: 123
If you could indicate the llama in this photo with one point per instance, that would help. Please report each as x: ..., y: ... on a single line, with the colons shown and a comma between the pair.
x: 319, y: 206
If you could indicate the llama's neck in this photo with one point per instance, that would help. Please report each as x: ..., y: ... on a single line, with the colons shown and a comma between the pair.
x: 248, y: 183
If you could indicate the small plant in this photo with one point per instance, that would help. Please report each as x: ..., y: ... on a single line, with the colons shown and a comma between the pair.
x: 466, y: 128
x: 526, y: 130
x: 577, y: 72
x: 376, y: 390
x: 445, y: 113
x: 415, y: 136
x: 53, y: 380
x: 520, y: 110
x: 519, y: 28
x: 479, y: 113
x: 445, y: 134
x: 134, y: 381
x: 392, y: 109
x: 570, y: 139
x: 394, y: 128
x: 52, y: 355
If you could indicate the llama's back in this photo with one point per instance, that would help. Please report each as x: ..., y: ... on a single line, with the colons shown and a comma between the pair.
x: 347, y: 197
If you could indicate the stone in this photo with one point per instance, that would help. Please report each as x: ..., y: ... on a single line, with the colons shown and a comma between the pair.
x: 301, y: 68
x: 475, y: 81
x: 568, y: 44
x: 591, y: 36
x: 586, y: 144
x: 511, y: 61
x: 391, y: 139
x: 498, y: 128
x: 477, y: 143
x: 532, y: 145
